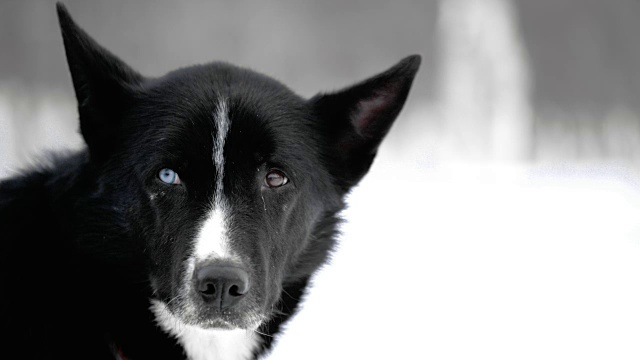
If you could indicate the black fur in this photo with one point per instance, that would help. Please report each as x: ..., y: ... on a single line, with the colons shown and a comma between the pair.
x: 84, y: 247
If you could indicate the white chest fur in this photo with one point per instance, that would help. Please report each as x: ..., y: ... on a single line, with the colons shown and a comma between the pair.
x: 218, y: 344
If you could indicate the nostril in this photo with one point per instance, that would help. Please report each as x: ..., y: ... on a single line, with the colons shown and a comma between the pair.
x: 234, y: 290
x: 209, y: 289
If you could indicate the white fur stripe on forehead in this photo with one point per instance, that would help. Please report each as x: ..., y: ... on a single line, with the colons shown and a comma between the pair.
x: 222, y: 126
x: 212, y: 240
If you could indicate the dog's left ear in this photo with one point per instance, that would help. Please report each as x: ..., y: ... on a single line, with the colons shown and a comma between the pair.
x: 358, y: 118
x: 103, y: 85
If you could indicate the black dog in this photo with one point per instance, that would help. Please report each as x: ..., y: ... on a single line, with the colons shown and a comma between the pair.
x: 191, y: 224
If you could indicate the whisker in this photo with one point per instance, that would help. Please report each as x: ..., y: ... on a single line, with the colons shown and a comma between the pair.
x: 173, y: 299
x: 256, y: 331
x: 289, y: 295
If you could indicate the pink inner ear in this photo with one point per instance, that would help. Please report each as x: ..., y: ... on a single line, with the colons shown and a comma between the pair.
x: 368, y: 115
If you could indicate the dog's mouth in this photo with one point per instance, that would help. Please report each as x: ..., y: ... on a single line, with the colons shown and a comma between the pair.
x: 217, y: 324
x: 228, y: 320
x: 173, y: 320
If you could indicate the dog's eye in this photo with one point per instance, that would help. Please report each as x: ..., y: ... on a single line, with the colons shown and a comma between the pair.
x: 169, y: 176
x: 275, y: 178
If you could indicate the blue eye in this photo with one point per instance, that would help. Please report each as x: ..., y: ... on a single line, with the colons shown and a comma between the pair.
x: 169, y: 176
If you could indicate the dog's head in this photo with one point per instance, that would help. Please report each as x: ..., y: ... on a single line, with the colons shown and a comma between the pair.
x: 222, y: 182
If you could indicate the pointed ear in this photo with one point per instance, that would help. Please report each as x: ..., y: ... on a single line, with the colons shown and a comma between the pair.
x: 358, y: 118
x: 103, y: 85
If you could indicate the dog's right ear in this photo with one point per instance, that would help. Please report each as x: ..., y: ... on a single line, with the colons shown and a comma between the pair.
x: 103, y: 85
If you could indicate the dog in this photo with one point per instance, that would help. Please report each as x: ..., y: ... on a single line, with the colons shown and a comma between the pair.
x: 190, y: 224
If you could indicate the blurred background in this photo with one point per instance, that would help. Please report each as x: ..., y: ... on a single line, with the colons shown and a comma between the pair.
x: 502, y: 217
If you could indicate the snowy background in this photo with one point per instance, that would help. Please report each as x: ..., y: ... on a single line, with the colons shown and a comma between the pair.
x: 501, y: 219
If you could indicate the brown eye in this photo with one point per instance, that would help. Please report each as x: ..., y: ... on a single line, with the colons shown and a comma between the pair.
x: 275, y: 178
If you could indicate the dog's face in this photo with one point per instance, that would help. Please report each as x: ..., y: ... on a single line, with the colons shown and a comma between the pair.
x: 228, y: 169
x: 224, y: 184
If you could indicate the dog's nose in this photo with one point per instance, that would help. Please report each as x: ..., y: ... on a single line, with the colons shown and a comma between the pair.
x: 222, y: 285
